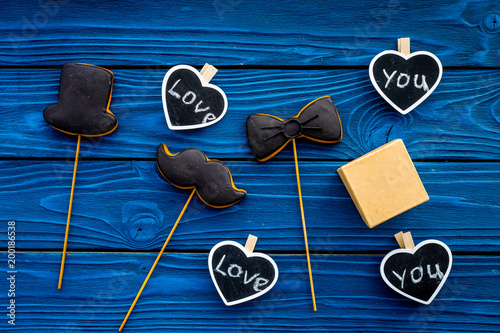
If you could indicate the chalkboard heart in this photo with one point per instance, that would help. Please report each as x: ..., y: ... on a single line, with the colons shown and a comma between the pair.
x: 188, y: 101
x: 405, y: 81
x: 238, y: 275
x: 419, y: 273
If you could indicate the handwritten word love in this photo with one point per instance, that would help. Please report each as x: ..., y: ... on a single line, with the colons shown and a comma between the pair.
x: 189, y: 98
x: 235, y: 271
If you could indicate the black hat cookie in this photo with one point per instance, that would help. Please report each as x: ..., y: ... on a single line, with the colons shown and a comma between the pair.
x: 192, y: 170
x: 417, y: 272
x: 82, y: 109
x: 268, y: 135
x: 405, y: 79
x: 189, y: 100
x: 238, y: 273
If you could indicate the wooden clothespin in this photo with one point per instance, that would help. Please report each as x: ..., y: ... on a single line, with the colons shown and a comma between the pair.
x: 208, y: 72
x: 404, y: 46
x: 405, y: 240
x: 250, y: 244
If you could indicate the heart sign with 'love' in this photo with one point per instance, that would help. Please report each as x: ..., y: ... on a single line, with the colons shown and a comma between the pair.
x: 405, y: 81
x: 239, y: 275
x: 189, y: 101
x: 418, y: 273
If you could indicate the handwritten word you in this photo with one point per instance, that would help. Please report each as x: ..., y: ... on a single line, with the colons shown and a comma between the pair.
x: 417, y: 273
x: 404, y: 80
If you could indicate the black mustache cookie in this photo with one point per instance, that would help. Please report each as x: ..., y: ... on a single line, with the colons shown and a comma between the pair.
x: 192, y: 169
x: 405, y: 81
x: 239, y: 275
x: 419, y: 273
x: 188, y: 101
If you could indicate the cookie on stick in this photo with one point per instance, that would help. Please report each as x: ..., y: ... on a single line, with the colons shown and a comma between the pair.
x: 190, y: 169
x: 268, y: 135
x: 82, y: 109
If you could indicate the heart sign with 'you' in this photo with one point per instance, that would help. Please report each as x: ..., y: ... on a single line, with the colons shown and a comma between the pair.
x: 418, y: 273
x: 405, y: 81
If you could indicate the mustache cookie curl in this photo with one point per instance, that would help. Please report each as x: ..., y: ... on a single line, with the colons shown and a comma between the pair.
x: 191, y: 168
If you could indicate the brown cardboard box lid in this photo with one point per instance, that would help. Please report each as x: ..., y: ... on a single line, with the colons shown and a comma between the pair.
x: 383, y: 183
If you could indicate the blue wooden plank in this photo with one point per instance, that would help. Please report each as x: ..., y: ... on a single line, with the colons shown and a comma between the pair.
x: 126, y: 206
x: 456, y: 122
x: 180, y: 297
x: 227, y: 32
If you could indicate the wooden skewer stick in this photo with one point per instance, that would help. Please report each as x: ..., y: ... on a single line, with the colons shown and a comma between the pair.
x: 156, y: 261
x: 304, y: 224
x: 63, y: 260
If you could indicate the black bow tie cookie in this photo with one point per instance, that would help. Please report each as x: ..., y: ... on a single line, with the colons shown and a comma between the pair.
x: 317, y: 121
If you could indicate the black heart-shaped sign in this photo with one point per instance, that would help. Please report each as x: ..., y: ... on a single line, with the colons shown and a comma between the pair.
x: 238, y: 275
x: 188, y: 101
x: 405, y: 81
x: 419, y: 273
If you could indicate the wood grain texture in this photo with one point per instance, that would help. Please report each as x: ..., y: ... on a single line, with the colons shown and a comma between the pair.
x: 122, y: 207
x: 180, y: 296
x: 457, y: 121
x: 126, y: 206
x: 236, y: 32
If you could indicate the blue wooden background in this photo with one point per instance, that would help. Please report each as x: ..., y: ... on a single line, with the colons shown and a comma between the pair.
x: 272, y: 58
